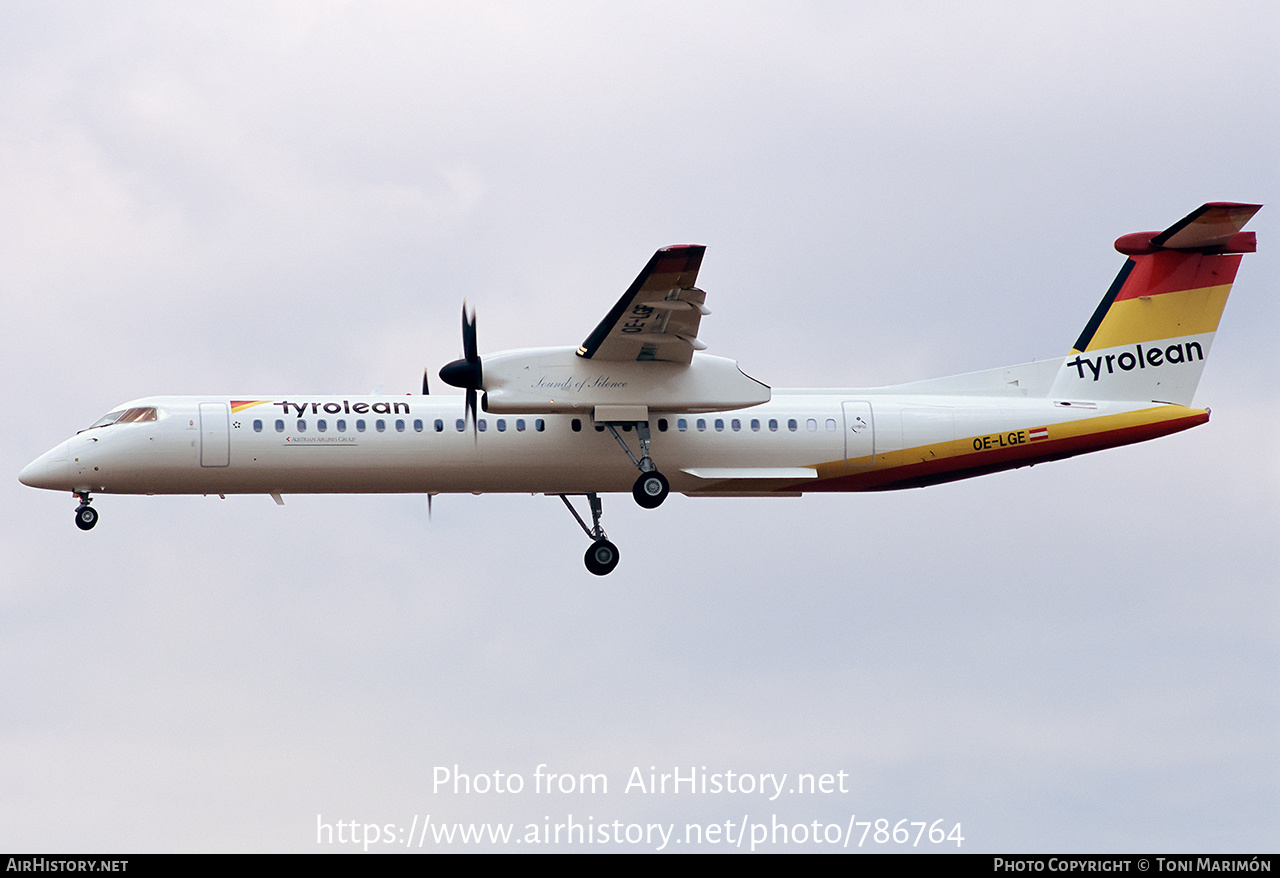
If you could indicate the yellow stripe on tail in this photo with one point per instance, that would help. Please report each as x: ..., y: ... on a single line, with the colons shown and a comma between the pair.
x: 1150, y: 335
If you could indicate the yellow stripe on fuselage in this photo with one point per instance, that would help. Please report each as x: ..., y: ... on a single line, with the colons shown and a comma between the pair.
x: 1167, y: 315
x: 949, y: 460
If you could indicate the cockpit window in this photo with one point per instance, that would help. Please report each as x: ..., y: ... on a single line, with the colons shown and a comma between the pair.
x: 124, y: 416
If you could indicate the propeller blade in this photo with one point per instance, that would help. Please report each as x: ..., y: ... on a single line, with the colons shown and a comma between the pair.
x: 471, y: 414
x: 467, y: 373
x: 425, y: 390
x: 469, y: 336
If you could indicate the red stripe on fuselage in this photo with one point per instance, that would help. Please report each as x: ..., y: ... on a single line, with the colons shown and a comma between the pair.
x: 964, y: 466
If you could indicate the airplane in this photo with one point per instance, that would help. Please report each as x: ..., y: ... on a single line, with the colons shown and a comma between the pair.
x: 569, y: 421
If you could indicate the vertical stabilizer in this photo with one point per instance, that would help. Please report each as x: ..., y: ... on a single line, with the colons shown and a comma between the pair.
x: 1150, y: 335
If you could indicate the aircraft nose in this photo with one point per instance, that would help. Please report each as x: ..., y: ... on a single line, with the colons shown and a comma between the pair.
x: 49, y: 470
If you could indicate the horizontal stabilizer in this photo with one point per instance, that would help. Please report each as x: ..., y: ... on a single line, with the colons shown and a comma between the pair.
x: 1212, y: 228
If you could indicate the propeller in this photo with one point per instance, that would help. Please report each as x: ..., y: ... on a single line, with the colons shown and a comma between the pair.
x: 466, y: 373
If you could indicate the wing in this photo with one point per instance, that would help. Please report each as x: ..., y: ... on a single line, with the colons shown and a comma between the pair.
x: 657, y: 317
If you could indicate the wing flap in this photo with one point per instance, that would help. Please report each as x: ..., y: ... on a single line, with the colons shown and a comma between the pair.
x: 784, y: 473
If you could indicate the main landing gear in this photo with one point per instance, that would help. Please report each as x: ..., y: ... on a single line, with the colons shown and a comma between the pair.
x: 602, y: 556
x: 86, y: 515
x: 651, y: 488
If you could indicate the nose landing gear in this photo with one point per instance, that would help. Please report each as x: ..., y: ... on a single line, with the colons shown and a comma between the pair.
x: 86, y: 515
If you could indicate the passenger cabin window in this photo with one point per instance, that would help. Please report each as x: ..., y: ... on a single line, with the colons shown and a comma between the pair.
x: 417, y: 425
x: 539, y: 424
x: 811, y: 425
x: 773, y: 425
x: 381, y: 425
x: 342, y: 426
x: 360, y: 425
x: 439, y: 425
x: 279, y: 426
x: 399, y: 425
x: 257, y: 426
x: 322, y: 425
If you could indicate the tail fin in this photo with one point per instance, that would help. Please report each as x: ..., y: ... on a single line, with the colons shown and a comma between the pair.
x: 1150, y: 335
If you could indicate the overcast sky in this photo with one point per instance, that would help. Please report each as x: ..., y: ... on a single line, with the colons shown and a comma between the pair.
x: 263, y: 198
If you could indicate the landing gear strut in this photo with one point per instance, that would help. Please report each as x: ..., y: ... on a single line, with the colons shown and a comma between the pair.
x: 86, y: 515
x: 651, y: 488
x: 602, y: 556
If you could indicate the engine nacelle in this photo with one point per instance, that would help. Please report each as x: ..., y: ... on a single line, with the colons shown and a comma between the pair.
x: 557, y: 380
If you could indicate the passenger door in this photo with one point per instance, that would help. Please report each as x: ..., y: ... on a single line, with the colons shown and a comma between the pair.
x: 215, y: 434
x: 859, y: 434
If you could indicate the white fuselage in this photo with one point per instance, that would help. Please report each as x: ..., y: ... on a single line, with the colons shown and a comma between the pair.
x: 832, y: 440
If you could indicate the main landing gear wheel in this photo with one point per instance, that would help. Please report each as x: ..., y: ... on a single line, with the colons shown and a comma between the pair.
x: 86, y: 517
x: 602, y: 557
x: 650, y: 489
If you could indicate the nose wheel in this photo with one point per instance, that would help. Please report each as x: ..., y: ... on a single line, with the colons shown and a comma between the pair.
x: 86, y: 515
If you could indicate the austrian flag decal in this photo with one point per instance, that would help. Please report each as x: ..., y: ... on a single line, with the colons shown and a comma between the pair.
x: 1037, y: 434
x: 239, y: 405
